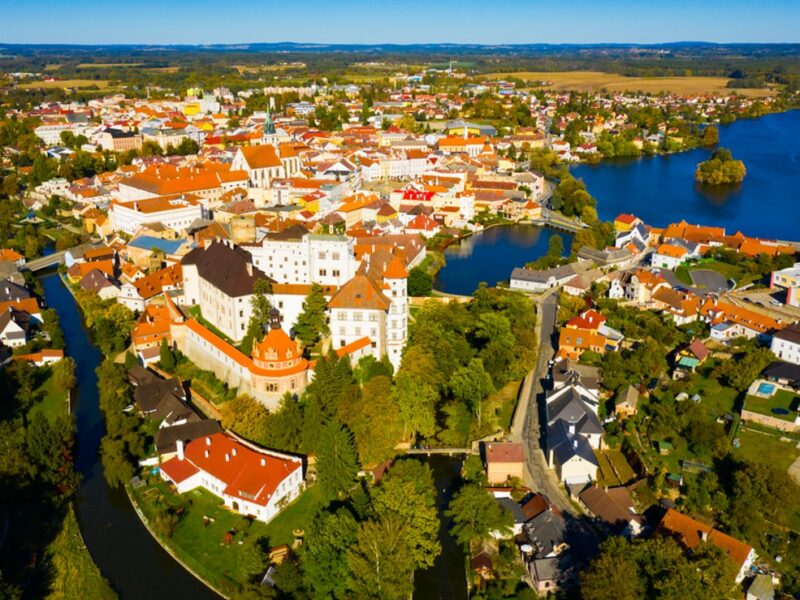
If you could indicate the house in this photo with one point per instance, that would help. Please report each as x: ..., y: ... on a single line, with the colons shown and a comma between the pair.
x: 504, y: 461
x: 137, y: 293
x: 669, y: 256
x: 789, y: 280
x: 175, y: 212
x: 626, y: 403
x: 11, y: 257
x: 545, y: 550
x: 625, y: 222
x: 220, y: 278
x: 373, y: 305
x: 786, y: 344
x: 587, y: 332
x: 681, y: 307
x: 690, y: 533
x: 249, y: 480
x: 97, y: 282
x: 45, y: 356
x: 761, y: 588
x: 573, y: 433
x: 529, y: 280
x: 612, y: 507
x: 568, y: 372
x: 15, y: 327
x: 689, y: 358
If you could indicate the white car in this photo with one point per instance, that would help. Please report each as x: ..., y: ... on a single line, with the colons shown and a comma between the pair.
x: 775, y: 303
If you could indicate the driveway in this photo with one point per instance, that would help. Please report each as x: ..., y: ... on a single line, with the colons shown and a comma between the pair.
x: 705, y: 281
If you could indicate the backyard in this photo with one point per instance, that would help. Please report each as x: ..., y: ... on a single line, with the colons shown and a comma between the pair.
x: 216, y: 543
x: 780, y: 405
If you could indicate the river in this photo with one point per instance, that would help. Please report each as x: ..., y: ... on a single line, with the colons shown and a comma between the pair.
x: 661, y: 190
x: 491, y: 255
x: 133, y: 562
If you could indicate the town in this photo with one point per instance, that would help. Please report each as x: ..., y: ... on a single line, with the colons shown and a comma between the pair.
x: 280, y: 379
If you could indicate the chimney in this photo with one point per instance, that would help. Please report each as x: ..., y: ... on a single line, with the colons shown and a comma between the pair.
x: 206, y: 453
x: 249, y: 267
x: 233, y: 452
x: 179, y: 444
x: 208, y: 441
x: 227, y: 457
x: 263, y: 462
x: 704, y: 535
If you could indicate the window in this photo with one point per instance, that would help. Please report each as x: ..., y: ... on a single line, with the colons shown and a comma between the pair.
x: 321, y: 256
x: 335, y: 256
x: 357, y: 316
x: 323, y: 272
x: 335, y: 272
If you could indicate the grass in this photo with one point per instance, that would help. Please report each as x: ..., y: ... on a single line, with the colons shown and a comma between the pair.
x: 682, y: 273
x: 594, y: 80
x: 195, y: 312
x: 606, y: 477
x: 780, y: 399
x: 620, y: 463
x: 53, y: 400
x: 200, y: 546
x: 497, y: 410
x: 766, y: 448
x: 74, y: 573
x: 205, y: 382
x: 717, y: 398
x: 65, y: 83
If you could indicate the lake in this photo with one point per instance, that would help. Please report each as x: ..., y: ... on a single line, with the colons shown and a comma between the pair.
x: 491, y: 255
x: 661, y: 190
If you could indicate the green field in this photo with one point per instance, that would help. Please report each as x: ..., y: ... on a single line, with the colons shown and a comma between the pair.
x: 199, y: 543
x: 53, y: 400
x: 766, y: 448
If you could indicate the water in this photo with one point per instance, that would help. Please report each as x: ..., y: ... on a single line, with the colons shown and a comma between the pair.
x: 661, y: 190
x: 446, y: 579
x: 135, y: 564
x: 491, y: 255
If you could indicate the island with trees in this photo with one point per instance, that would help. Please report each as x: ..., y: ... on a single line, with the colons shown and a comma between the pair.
x: 720, y: 168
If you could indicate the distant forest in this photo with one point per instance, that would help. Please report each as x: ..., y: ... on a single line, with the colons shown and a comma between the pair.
x: 254, y: 65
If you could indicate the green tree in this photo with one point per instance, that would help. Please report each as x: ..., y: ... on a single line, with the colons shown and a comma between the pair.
x: 613, y: 574
x: 116, y: 465
x: 285, y: 427
x: 381, y: 563
x: 420, y: 283
x: 337, y: 465
x: 166, y: 356
x: 416, y: 404
x: 64, y: 373
x: 259, y: 320
x: 471, y: 384
x: 312, y: 323
x: 407, y: 492
x: 476, y: 514
x: 372, y: 417
x: 711, y: 135
x: 324, y: 556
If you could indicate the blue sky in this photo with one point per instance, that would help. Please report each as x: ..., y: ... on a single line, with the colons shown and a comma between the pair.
x: 398, y: 21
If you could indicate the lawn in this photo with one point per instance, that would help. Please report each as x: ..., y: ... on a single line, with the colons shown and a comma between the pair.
x: 199, y: 542
x: 606, y: 477
x: 621, y: 465
x: 682, y: 273
x: 780, y: 399
x: 65, y: 83
x: 719, y: 399
x: 52, y: 399
x: 594, y: 80
x: 74, y: 573
x: 497, y: 411
x: 766, y: 448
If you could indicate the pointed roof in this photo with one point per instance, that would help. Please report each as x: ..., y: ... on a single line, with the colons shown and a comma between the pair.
x: 360, y: 292
x: 396, y: 269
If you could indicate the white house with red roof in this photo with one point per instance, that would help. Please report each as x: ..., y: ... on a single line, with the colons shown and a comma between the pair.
x: 250, y: 480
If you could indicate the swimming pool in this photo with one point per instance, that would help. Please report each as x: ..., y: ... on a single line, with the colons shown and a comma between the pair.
x: 766, y: 389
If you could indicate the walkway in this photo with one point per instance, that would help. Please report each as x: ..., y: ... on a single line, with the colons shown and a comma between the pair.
x: 526, y: 426
x: 449, y: 451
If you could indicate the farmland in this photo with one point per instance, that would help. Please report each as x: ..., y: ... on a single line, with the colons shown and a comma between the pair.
x: 595, y: 80
x: 65, y: 83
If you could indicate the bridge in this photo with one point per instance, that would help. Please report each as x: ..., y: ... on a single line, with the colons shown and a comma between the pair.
x: 51, y: 260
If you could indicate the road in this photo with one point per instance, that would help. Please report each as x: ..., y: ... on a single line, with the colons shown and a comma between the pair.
x: 526, y: 426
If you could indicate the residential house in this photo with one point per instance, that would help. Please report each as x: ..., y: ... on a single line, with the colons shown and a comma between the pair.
x: 530, y: 280
x: 627, y: 403
x: 249, y: 480
x: 690, y: 534
x: 504, y: 461
x: 786, y: 344
x: 573, y: 433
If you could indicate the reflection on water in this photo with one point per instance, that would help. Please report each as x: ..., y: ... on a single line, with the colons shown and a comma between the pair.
x: 662, y: 189
x: 491, y: 255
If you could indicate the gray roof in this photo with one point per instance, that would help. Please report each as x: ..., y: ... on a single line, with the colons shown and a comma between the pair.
x: 562, y: 272
x: 226, y: 267
x: 571, y: 408
x: 12, y: 291
x: 546, y: 531
x: 566, y: 446
x: 761, y: 588
x: 167, y: 437
x: 513, y: 507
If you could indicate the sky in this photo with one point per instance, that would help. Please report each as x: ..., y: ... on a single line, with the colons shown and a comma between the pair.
x: 398, y: 21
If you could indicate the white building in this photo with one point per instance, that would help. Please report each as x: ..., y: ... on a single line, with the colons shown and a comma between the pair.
x: 251, y: 481
x: 529, y: 280
x: 174, y: 212
x: 219, y: 278
x: 786, y: 344
x: 294, y: 256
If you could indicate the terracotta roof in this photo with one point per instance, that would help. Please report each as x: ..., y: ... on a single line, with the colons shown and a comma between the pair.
x: 248, y: 474
x: 261, y: 157
x: 153, y: 284
x: 690, y: 534
x: 360, y: 292
x: 504, y: 453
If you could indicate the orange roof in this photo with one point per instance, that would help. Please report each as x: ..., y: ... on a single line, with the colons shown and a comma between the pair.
x: 396, y: 269
x: 28, y: 305
x: 583, y: 339
x: 248, y: 473
x: 165, y: 180
x: 360, y: 292
x: 153, y: 284
x: 626, y: 218
x: 690, y: 533
x: 41, y: 355
x: 588, y: 319
x: 672, y: 251
x: 78, y: 270
x: 719, y: 311
x: 261, y: 157
x: 10, y: 255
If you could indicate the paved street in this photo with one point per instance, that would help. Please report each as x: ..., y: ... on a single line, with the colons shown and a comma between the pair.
x: 526, y: 427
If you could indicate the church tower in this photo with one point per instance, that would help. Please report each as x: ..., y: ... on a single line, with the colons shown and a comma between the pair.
x: 396, y: 279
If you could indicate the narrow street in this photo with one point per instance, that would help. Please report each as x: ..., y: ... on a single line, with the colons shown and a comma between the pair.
x: 526, y: 427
